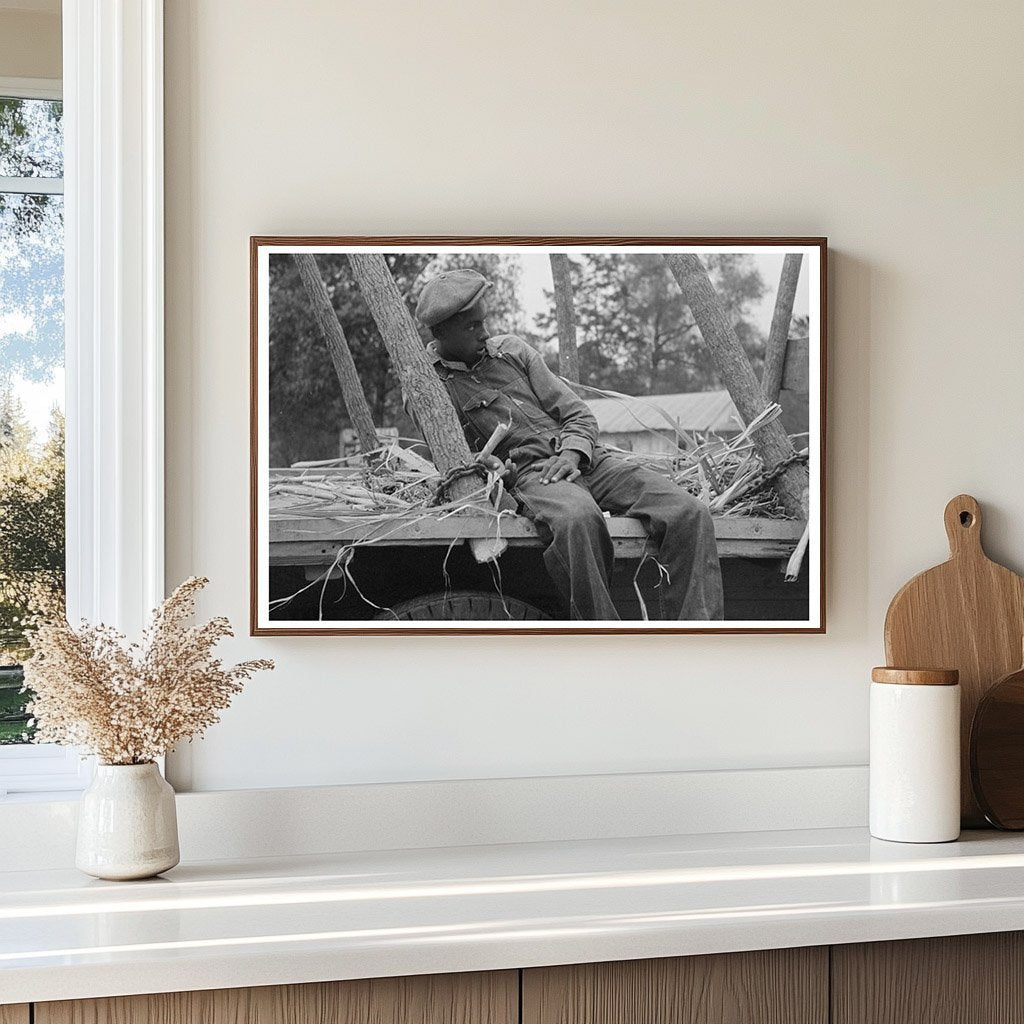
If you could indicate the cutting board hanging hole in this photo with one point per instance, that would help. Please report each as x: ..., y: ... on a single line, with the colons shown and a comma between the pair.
x: 963, y: 526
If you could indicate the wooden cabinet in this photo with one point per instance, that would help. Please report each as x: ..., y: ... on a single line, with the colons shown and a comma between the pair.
x: 967, y: 979
x: 777, y: 986
x: 491, y: 998
x: 962, y: 979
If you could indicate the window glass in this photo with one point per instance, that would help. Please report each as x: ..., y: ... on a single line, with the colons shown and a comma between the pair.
x: 31, y: 387
x: 31, y: 138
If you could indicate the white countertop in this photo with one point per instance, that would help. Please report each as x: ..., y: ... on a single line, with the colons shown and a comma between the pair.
x: 225, y: 924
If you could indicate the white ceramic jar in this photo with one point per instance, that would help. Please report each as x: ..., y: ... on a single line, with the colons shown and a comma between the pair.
x: 915, y: 755
x: 127, y: 823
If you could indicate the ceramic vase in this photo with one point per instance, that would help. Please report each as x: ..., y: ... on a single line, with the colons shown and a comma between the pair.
x: 127, y: 825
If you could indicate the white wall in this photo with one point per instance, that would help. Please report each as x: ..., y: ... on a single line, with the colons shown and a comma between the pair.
x: 895, y: 129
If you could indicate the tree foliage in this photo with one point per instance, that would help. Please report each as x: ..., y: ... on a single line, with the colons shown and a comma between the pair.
x: 635, y: 333
x: 32, y: 546
x: 306, y: 409
x: 31, y: 143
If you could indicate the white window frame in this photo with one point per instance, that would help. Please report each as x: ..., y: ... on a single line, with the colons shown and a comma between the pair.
x: 114, y: 325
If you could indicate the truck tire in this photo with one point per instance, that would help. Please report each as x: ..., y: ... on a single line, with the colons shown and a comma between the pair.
x: 462, y: 605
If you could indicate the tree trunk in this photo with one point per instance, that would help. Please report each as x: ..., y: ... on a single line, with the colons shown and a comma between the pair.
x: 434, y: 410
x: 344, y: 366
x: 771, y: 441
x: 565, y: 317
x: 778, y: 336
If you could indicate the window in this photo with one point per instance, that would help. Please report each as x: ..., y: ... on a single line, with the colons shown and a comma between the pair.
x: 113, y: 332
x: 32, y: 533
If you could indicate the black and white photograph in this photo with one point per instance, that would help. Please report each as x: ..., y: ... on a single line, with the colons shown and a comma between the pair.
x: 537, y: 435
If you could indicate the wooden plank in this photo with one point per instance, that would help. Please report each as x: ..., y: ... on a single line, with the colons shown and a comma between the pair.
x: 778, y: 986
x: 960, y: 979
x: 14, y: 1014
x: 480, y: 998
x: 316, y: 541
x: 298, y: 529
x: 291, y: 474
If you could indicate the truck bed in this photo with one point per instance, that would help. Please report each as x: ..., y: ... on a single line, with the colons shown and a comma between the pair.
x: 315, y: 541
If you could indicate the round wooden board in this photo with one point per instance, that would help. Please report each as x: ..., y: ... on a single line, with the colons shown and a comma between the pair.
x: 997, y: 752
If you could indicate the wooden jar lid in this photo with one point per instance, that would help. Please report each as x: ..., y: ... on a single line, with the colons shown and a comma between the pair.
x: 916, y: 676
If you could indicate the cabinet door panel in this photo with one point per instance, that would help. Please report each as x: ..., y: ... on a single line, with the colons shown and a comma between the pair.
x: 959, y: 979
x: 14, y: 1014
x: 483, y: 998
x: 777, y: 986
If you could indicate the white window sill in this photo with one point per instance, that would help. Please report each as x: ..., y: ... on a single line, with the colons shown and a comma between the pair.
x: 42, y: 772
x: 43, y: 797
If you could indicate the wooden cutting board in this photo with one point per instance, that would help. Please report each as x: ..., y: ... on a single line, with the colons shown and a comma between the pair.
x: 967, y: 614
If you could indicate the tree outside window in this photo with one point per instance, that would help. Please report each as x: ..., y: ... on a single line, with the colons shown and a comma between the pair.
x: 32, y: 545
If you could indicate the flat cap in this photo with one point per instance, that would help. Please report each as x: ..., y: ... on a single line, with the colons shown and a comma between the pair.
x: 449, y: 293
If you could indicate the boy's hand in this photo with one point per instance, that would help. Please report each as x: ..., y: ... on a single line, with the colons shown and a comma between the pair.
x: 563, y: 466
x: 494, y: 465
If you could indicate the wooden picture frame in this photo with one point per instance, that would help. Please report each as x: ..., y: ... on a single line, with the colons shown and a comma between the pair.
x: 319, y: 546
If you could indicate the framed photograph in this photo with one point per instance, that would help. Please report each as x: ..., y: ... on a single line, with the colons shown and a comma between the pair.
x: 537, y: 435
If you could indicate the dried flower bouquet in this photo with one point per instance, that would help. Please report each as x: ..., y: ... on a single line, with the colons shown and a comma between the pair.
x: 130, y: 703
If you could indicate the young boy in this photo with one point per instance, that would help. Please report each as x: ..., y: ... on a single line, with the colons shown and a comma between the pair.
x: 565, y: 480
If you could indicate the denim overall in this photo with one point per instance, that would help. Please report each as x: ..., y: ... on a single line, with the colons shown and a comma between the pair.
x: 512, y: 384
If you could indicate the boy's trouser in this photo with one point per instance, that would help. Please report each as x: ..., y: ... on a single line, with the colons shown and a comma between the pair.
x: 580, y: 553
